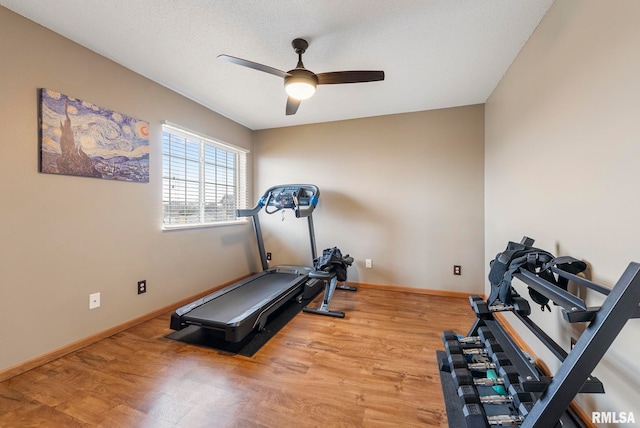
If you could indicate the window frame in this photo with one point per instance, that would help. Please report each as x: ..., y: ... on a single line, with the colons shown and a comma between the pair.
x: 240, y: 177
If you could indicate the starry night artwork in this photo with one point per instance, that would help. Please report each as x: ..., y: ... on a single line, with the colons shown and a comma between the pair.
x: 80, y: 138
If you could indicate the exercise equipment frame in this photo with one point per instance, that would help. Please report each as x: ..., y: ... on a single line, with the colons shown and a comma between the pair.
x: 240, y: 308
x: 554, y: 394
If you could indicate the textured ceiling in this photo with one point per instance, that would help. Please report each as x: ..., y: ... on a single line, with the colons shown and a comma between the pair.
x: 435, y: 53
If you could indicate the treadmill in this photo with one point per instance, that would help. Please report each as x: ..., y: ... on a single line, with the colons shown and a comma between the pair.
x: 236, y: 310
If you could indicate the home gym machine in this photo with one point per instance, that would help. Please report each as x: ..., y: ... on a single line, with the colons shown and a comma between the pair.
x: 488, y: 380
x: 331, y: 268
x: 236, y: 310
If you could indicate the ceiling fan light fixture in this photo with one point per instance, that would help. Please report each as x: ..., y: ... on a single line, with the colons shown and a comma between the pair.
x: 300, y: 90
x: 300, y: 84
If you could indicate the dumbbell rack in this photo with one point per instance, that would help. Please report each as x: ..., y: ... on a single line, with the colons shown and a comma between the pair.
x: 552, y: 395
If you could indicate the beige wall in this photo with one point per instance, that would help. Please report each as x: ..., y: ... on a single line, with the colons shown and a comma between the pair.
x: 407, y: 191
x: 62, y: 238
x: 404, y: 190
x: 562, y: 151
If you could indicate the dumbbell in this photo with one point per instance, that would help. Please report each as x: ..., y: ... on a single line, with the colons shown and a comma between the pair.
x: 451, y: 335
x: 471, y: 344
x: 516, y: 396
x: 484, y: 337
x: 475, y: 417
x: 491, y: 346
x: 459, y: 361
x: 455, y: 347
x: 506, y: 376
x: 483, y: 334
x: 518, y: 304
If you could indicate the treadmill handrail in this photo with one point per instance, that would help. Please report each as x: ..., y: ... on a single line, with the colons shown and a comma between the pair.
x: 300, y: 212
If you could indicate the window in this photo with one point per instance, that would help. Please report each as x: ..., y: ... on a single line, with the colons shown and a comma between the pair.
x: 203, y: 181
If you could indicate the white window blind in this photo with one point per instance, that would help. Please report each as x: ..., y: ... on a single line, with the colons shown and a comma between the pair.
x: 203, y: 181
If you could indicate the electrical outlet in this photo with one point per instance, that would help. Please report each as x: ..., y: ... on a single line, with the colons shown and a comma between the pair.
x: 94, y: 300
x: 457, y: 270
x: 269, y: 256
x: 142, y: 286
x: 367, y: 263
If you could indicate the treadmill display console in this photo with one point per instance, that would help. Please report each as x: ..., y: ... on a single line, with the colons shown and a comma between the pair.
x: 289, y: 197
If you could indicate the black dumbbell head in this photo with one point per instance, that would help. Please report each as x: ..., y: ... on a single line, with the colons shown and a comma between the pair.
x: 457, y: 361
x: 521, y: 306
x: 453, y: 347
x: 519, y: 396
x: 485, y: 334
x: 449, y: 335
x: 480, y: 307
x: 492, y: 346
x: 462, y: 376
x: 468, y: 394
x: 500, y: 359
x: 509, y: 374
x: 474, y: 416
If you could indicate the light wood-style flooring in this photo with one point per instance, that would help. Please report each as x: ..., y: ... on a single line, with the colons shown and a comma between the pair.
x: 374, y: 368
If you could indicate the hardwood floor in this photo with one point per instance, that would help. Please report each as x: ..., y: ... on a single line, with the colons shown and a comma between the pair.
x: 374, y: 368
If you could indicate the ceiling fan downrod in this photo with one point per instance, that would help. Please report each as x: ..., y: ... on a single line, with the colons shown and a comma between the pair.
x: 300, y: 46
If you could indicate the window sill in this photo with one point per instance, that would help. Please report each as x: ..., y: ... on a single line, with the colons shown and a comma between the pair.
x: 175, y: 227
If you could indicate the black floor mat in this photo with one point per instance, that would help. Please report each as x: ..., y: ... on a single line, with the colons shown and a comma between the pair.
x: 249, y: 345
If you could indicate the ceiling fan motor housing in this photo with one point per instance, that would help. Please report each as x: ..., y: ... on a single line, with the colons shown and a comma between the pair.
x: 301, y: 75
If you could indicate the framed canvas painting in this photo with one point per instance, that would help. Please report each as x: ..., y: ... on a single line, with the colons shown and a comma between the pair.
x: 82, y: 139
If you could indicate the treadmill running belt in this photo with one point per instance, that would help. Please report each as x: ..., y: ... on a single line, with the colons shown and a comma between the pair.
x: 241, y: 302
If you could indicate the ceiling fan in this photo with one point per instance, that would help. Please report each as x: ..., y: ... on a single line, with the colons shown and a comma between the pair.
x: 301, y: 83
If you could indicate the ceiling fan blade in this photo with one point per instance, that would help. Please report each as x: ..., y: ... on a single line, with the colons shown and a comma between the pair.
x: 292, y: 106
x: 254, y: 65
x: 349, y: 77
